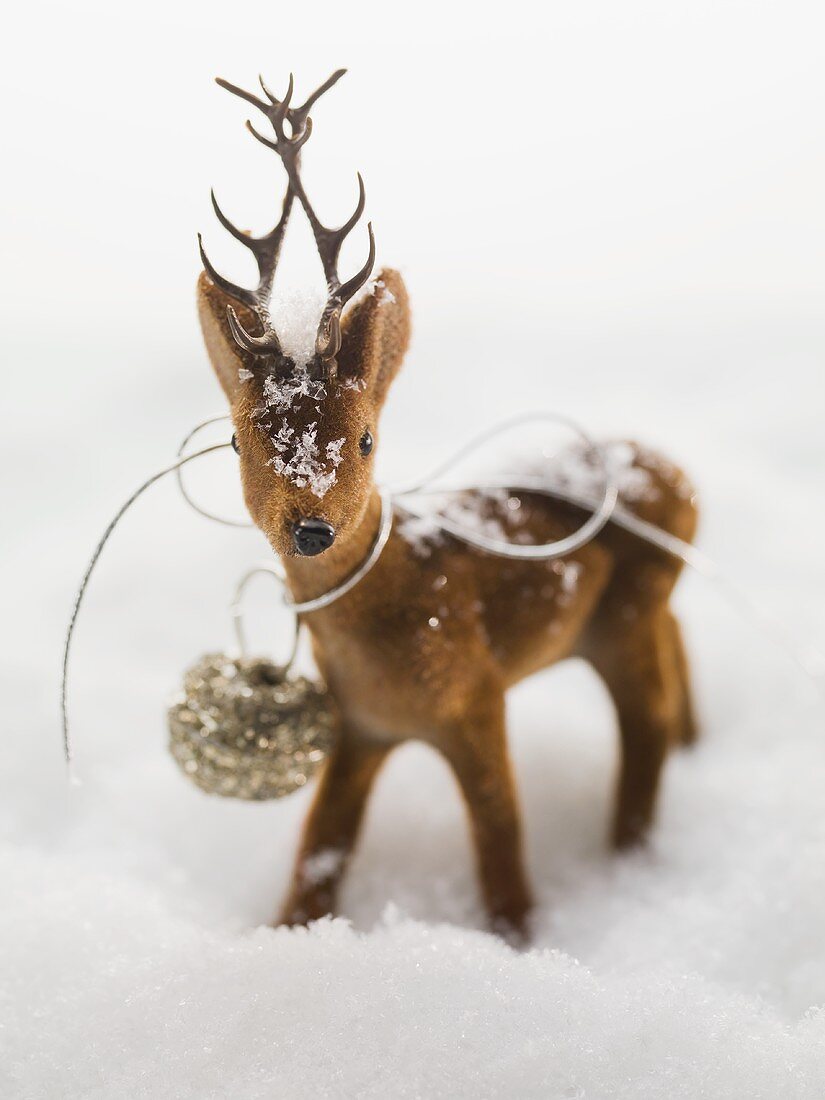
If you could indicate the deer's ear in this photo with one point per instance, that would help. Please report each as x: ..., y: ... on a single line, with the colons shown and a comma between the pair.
x: 226, y: 357
x: 376, y: 332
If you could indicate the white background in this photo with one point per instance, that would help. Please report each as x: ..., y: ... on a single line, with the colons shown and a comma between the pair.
x: 612, y: 210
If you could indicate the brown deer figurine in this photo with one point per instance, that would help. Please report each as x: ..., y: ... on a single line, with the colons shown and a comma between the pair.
x: 426, y: 645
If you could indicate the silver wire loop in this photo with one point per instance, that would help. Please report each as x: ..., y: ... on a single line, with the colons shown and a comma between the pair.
x: 182, y: 485
x: 236, y: 607
x: 381, y: 539
x: 87, y: 576
x: 603, y: 506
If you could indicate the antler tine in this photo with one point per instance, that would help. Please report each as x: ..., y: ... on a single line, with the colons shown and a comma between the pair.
x: 328, y: 241
x: 353, y: 285
x: 240, y: 293
x: 328, y: 340
x: 283, y: 106
x: 238, y: 234
x: 268, y: 344
x: 268, y: 142
x: 248, y: 96
x: 298, y: 115
x: 358, y: 211
x: 301, y: 113
x: 265, y: 249
x: 273, y: 99
x: 334, y: 238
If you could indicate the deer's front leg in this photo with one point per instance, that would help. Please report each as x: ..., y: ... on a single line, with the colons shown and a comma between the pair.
x: 476, y: 749
x: 332, y: 828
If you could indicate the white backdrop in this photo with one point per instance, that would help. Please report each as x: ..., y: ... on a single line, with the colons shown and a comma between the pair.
x: 610, y: 210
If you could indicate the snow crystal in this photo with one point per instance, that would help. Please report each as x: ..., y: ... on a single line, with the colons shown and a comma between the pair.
x: 421, y: 533
x: 282, y: 438
x: 374, y: 286
x: 282, y: 393
x: 576, y: 470
x: 303, y: 465
x: 569, y: 571
x: 334, y: 451
x: 471, y: 512
x: 322, y: 865
x: 385, y: 295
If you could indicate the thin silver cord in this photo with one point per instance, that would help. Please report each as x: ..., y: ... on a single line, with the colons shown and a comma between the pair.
x: 326, y: 598
x: 603, y: 507
x: 478, y: 440
x: 182, y: 485
x: 236, y: 607
x: 67, y: 748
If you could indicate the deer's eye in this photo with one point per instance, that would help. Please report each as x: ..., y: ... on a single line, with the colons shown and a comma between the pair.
x: 365, y: 446
x: 235, y: 446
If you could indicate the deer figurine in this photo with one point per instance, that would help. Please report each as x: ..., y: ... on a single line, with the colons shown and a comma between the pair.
x: 427, y: 644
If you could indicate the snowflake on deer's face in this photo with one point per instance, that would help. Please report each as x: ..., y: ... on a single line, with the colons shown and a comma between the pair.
x: 300, y: 459
x: 300, y: 456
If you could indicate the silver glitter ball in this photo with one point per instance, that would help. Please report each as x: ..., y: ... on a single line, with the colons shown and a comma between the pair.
x: 243, y: 729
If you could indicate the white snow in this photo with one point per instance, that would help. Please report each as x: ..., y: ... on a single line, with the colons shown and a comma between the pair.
x: 421, y: 532
x: 579, y: 471
x: 469, y: 512
x: 303, y: 465
x: 283, y: 393
x: 294, y: 314
x: 133, y: 946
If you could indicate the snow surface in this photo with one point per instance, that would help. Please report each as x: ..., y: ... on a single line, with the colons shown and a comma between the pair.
x: 669, y: 290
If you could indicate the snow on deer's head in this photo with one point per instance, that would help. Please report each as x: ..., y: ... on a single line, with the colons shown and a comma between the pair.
x: 305, y: 425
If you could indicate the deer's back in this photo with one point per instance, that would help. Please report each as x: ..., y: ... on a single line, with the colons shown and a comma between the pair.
x: 534, y: 612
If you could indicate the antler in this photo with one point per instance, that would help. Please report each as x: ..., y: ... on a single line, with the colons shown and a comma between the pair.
x: 266, y: 249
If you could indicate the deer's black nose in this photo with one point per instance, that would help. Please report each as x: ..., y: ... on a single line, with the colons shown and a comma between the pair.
x: 312, y: 536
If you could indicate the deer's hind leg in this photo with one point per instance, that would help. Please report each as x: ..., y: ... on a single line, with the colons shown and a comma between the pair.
x: 688, y: 730
x: 637, y: 654
x: 331, y: 829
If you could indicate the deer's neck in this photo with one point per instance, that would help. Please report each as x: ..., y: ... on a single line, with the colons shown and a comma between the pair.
x: 312, y: 577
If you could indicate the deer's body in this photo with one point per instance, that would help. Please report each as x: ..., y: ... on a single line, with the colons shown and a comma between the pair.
x: 426, y: 645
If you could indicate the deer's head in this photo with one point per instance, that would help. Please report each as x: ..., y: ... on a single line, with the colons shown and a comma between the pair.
x: 305, y: 431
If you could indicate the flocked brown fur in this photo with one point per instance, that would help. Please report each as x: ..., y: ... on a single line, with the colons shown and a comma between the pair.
x: 427, y: 644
